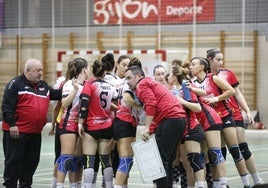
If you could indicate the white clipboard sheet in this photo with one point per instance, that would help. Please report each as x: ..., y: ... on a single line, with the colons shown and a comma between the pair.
x: 148, y: 159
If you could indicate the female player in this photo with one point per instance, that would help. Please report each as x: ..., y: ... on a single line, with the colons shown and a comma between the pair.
x: 125, y: 123
x: 95, y: 124
x: 190, y: 148
x: 215, y: 58
x: 70, y: 159
x: 218, y: 91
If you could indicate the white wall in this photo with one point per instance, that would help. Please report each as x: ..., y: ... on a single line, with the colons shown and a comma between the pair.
x: 263, y: 80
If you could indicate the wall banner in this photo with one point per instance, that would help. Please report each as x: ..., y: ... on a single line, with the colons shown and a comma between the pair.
x: 151, y: 11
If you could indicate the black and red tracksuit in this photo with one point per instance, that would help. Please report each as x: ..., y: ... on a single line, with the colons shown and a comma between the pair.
x: 24, y: 105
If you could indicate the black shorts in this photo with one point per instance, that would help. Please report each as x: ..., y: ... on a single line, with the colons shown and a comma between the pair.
x: 240, y: 123
x: 123, y: 129
x: 64, y: 131
x: 196, y: 134
x: 214, y: 127
x: 228, y: 121
x: 101, y: 134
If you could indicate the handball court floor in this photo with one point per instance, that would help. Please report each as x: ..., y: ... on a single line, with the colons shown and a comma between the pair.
x: 257, y: 139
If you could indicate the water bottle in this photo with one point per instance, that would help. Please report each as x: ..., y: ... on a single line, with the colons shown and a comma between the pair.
x: 186, y: 91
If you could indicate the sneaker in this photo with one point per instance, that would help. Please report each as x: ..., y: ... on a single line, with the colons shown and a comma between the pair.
x: 259, y: 182
x: 246, y: 186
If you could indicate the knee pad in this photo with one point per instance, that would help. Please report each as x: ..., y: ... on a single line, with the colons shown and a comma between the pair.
x: 196, y: 161
x: 65, y: 163
x: 215, y: 157
x: 77, y: 162
x: 224, y: 152
x: 105, y: 161
x: 88, y: 161
x: 125, y: 164
x: 236, y: 153
x: 245, y: 150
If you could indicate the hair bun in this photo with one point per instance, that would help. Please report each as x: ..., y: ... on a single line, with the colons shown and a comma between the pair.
x: 108, y: 60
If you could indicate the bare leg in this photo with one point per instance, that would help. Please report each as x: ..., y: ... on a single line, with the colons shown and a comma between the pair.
x: 124, y: 150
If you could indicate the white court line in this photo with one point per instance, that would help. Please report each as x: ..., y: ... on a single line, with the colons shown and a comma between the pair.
x: 238, y: 177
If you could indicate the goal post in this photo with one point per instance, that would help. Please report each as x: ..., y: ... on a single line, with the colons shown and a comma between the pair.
x: 149, y: 58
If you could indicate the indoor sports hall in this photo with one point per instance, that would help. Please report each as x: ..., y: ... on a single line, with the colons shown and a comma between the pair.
x: 155, y: 31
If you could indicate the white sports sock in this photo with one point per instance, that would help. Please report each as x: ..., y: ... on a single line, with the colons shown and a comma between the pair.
x: 216, y: 183
x: 108, y: 177
x: 256, y: 178
x: 201, y: 184
x: 54, y: 182
x: 72, y: 185
x: 223, y: 182
x: 118, y: 186
x: 245, y: 180
x: 59, y: 185
x: 88, y: 177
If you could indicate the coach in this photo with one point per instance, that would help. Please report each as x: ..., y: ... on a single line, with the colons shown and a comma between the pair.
x: 165, y: 117
x: 24, y: 108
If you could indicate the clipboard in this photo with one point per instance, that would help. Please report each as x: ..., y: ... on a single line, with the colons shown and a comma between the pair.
x: 148, y: 159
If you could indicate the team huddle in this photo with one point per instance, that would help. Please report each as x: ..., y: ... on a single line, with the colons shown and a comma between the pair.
x: 194, y: 110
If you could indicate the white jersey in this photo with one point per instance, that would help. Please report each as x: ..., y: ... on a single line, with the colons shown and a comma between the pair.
x: 57, y: 85
x: 125, y: 112
x: 59, y: 82
x: 113, y: 80
x: 73, y: 109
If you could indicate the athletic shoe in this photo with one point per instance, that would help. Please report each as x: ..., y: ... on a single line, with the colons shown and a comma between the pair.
x: 259, y: 182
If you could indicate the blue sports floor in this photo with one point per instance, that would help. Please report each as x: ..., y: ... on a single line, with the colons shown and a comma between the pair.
x: 257, y: 139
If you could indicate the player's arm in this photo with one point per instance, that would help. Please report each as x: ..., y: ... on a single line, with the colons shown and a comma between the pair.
x: 129, y: 99
x: 68, y: 99
x: 194, y: 106
x: 243, y: 104
x: 227, y: 89
x: 198, y: 91
x: 55, y: 112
